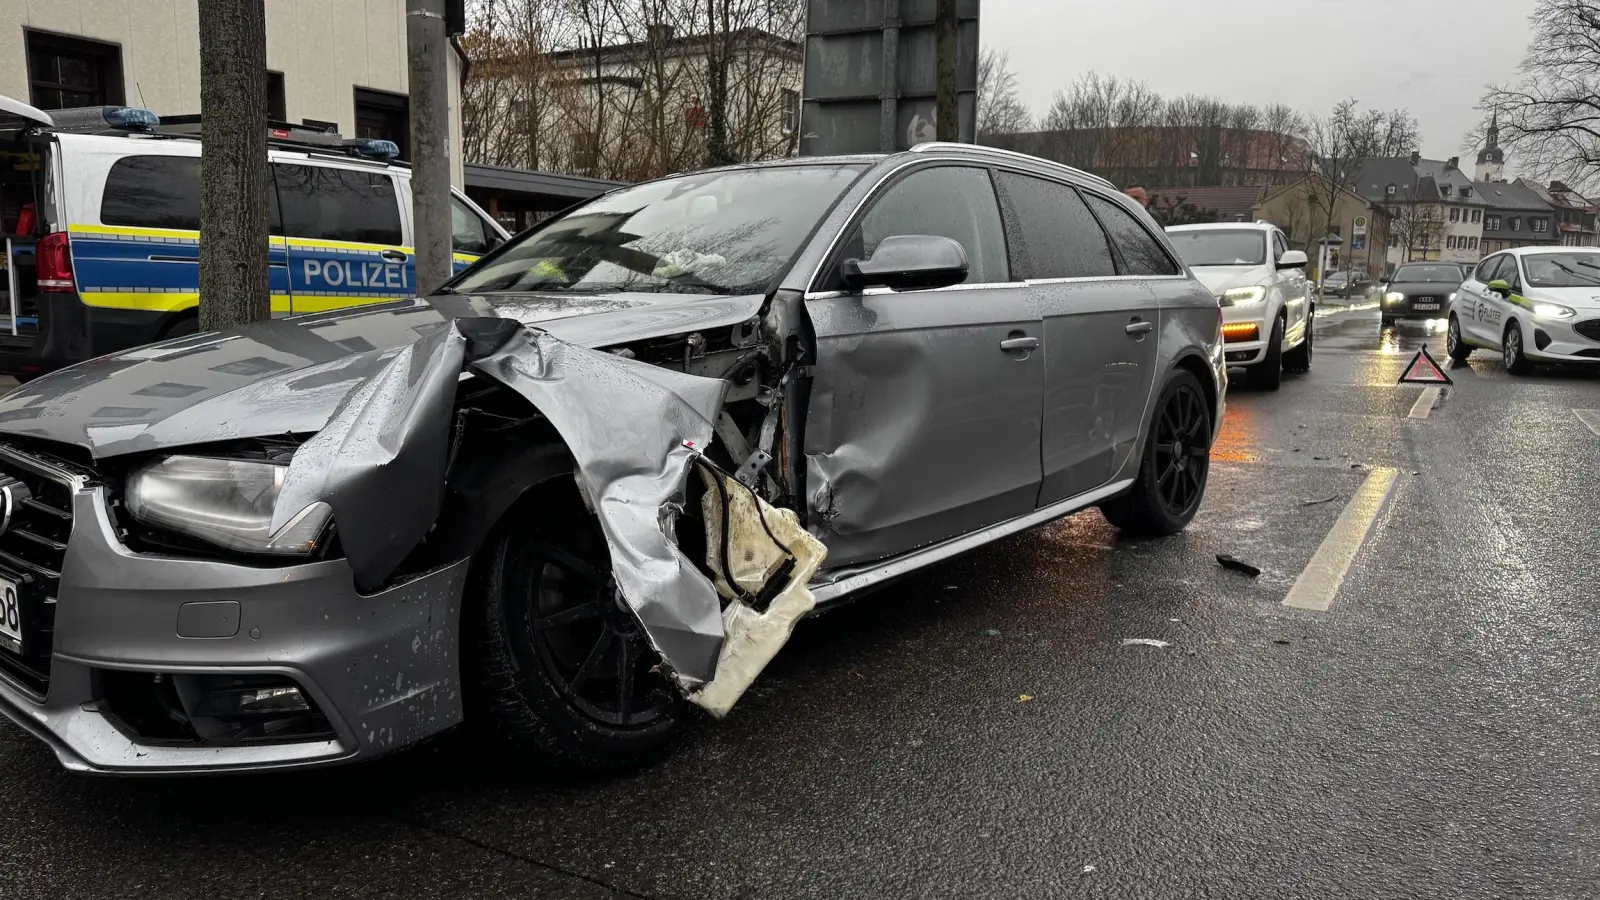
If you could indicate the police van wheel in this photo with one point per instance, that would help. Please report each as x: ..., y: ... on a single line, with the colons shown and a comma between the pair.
x: 183, y: 326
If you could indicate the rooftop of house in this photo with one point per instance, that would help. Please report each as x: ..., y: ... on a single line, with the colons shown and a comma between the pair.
x: 1509, y: 195
x: 1414, y: 179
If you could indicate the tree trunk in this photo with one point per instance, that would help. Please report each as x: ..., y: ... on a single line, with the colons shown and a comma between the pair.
x: 717, y: 53
x: 946, y: 116
x: 233, y: 174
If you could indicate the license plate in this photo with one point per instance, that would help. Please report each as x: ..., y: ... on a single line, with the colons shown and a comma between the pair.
x: 1424, y: 306
x: 10, y: 612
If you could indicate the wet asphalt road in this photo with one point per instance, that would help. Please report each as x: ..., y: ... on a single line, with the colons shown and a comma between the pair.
x: 1434, y: 734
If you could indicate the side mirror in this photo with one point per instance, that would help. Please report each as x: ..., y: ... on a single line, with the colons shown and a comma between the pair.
x: 1499, y: 286
x: 908, y: 262
x: 1292, y: 259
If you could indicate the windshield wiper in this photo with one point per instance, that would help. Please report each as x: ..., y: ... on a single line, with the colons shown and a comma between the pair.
x: 1574, y: 272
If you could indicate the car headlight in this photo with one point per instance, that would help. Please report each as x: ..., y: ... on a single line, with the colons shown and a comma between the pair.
x: 1245, y: 296
x: 1553, y: 311
x: 226, y: 502
x: 1393, y: 297
x: 1452, y: 296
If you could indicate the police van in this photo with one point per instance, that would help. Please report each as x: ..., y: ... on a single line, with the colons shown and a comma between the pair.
x: 100, y: 212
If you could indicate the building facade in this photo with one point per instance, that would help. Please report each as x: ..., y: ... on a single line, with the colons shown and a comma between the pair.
x: 339, y: 63
x: 1433, y: 208
x: 1301, y: 210
x: 1575, y: 215
x: 1169, y: 156
x: 1516, y: 217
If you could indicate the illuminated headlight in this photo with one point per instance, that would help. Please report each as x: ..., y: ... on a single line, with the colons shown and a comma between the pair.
x: 226, y: 502
x: 1553, y: 311
x: 1393, y: 297
x: 1245, y: 296
x: 1452, y: 296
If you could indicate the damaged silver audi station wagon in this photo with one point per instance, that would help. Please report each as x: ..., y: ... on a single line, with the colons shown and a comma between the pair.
x: 597, y: 479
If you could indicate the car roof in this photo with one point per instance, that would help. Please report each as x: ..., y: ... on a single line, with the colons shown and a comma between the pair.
x: 183, y: 145
x: 1224, y: 226
x: 1528, y: 251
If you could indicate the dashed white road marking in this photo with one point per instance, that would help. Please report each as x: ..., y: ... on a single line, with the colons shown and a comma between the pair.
x: 1425, y: 403
x: 1589, y: 417
x: 1319, y: 584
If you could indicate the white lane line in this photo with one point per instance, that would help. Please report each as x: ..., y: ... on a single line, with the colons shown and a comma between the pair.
x: 1425, y: 403
x: 1318, y: 585
x: 1589, y: 417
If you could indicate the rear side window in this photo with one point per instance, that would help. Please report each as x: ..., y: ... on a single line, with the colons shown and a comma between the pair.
x: 153, y: 192
x: 338, y: 204
x: 468, y: 233
x: 956, y: 202
x: 1051, y: 232
x: 1140, y: 252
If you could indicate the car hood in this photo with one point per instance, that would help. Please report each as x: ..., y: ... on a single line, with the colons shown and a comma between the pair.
x: 1440, y: 289
x: 1582, y: 299
x: 1223, y: 278
x: 287, y: 376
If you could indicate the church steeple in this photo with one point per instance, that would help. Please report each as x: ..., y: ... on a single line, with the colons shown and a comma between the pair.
x: 1491, y: 159
x: 1494, y: 130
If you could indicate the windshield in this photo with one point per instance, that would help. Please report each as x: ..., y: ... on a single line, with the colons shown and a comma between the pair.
x: 1221, y: 248
x: 1554, y: 270
x: 1450, y: 274
x: 728, y: 232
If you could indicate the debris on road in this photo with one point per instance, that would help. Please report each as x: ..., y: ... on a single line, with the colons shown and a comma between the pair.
x: 1024, y: 698
x: 1145, y: 642
x: 1319, y: 502
x: 1237, y: 565
x: 1280, y: 640
x: 992, y: 632
x: 1088, y: 870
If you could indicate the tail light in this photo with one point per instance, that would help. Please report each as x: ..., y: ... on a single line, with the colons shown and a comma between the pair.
x: 55, y: 263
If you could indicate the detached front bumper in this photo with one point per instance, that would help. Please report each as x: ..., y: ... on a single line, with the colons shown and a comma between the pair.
x: 382, y: 669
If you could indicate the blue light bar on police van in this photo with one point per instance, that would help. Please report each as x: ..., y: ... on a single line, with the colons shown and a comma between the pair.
x: 131, y: 118
x: 373, y: 148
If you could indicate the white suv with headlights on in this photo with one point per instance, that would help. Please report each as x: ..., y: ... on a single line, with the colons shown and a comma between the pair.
x: 1266, y: 301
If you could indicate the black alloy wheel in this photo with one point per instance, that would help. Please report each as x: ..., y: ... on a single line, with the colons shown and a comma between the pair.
x: 1182, y: 451
x: 1458, y: 349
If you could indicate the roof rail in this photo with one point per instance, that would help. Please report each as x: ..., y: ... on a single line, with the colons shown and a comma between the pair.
x: 927, y: 146
x: 300, y: 137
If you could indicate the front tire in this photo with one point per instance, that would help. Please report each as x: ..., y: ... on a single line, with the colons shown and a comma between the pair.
x: 1458, y: 349
x: 1517, y: 362
x: 1171, y: 480
x: 1298, y: 360
x: 557, y: 667
x: 1268, y: 374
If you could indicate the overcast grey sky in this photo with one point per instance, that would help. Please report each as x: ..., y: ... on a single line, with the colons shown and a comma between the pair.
x: 1429, y: 56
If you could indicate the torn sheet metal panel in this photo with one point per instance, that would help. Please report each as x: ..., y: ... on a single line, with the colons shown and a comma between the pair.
x: 761, y: 547
x: 633, y: 429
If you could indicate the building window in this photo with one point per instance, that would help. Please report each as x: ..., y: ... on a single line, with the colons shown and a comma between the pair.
x: 1474, y: 243
x: 1539, y: 226
x: 1444, y: 190
x: 1455, y: 214
x: 277, y: 110
x: 1516, y: 223
x: 66, y: 72
x: 1491, y: 223
x: 386, y: 117
x: 791, y: 110
x: 1476, y: 214
x: 1450, y: 242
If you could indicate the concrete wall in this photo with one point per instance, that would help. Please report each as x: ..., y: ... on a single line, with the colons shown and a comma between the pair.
x: 324, y: 48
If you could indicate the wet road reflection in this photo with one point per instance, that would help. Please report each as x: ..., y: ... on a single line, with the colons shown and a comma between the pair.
x: 1361, y: 330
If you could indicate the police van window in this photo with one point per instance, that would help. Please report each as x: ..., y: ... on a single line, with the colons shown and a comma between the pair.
x: 331, y: 204
x: 468, y: 234
x: 1141, y: 253
x: 1052, y: 234
x: 153, y: 192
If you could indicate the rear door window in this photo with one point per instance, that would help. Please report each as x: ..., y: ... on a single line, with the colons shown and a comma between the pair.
x: 468, y: 233
x: 324, y: 203
x: 956, y: 202
x: 153, y: 192
x: 1050, y: 232
x: 1279, y: 246
x: 1141, y: 253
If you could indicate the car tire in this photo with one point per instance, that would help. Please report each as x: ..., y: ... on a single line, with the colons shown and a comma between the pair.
x: 1268, y: 373
x: 1298, y: 360
x: 544, y: 644
x: 1458, y: 349
x: 1511, y: 345
x: 182, y: 326
x: 1176, y: 461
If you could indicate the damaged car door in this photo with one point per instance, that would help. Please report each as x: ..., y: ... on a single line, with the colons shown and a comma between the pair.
x: 924, y: 418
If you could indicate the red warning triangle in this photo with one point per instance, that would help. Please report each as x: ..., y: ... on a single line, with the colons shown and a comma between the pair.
x: 1423, y: 370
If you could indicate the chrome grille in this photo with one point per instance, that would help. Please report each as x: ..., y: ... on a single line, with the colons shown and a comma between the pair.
x: 32, y: 551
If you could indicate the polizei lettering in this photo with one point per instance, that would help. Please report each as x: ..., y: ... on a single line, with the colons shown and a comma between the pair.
x: 353, y: 274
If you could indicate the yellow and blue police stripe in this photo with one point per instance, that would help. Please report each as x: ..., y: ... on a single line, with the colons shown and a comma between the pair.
x: 157, y: 270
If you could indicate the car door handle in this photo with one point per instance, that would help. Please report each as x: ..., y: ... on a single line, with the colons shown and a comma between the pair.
x: 394, y: 256
x: 1020, y: 343
x: 1140, y: 327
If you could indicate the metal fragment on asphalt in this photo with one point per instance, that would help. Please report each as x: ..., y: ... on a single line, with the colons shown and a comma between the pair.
x: 1237, y: 565
x: 1145, y: 642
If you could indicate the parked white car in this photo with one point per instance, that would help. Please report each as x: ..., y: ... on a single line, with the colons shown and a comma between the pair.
x: 1533, y: 304
x: 1266, y: 300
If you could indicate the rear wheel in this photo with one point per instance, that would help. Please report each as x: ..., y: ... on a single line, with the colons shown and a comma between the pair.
x: 1517, y: 362
x: 183, y: 326
x: 559, y: 667
x: 1458, y: 349
x: 1268, y: 373
x: 1177, y: 459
